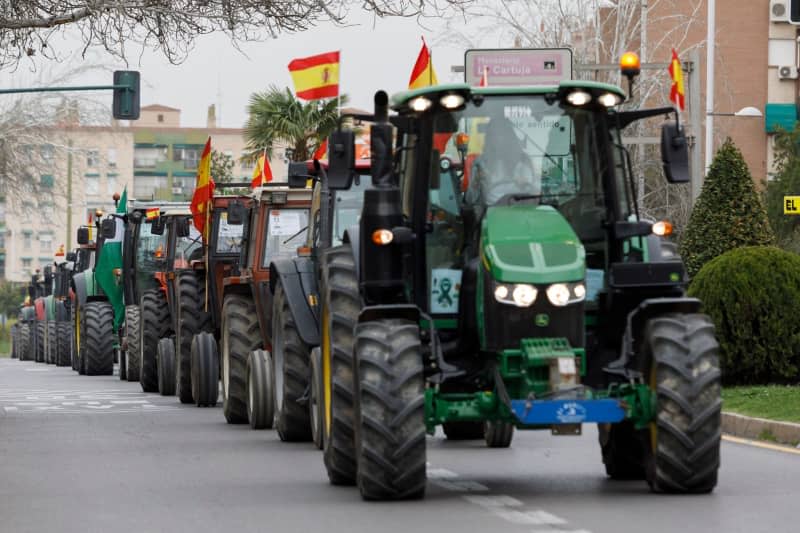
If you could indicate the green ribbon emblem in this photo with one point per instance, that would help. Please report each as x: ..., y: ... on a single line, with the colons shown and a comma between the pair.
x: 444, y: 293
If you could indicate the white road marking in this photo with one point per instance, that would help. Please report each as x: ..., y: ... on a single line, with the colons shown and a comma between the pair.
x: 494, y: 501
x: 124, y: 402
x: 10, y: 409
x: 530, y: 518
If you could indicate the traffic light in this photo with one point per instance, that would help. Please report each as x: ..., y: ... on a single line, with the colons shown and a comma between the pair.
x: 126, y: 95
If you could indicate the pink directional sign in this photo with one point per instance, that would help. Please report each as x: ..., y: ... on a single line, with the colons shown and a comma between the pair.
x: 518, y: 66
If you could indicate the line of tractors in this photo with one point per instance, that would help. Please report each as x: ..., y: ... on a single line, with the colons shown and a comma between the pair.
x: 486, y: 271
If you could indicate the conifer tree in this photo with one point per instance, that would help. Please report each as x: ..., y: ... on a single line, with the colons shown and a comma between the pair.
x: 728, y: 213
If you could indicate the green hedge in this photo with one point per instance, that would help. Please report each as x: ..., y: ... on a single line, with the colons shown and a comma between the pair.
x: 753, y: 296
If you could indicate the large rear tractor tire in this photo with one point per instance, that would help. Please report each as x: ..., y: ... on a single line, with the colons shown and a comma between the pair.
x: 682, y: 351
x: 50, y: 344
x: 24, y: 342
x: 260, y: 387
x: 240, y: 336
x: 341, y: 304
x: 205, y: 370
x: 498, y: 434
x: 290, y: 357
x: 13, y: 331
x: 463, y: 430
x: 316, y: 401
x: 153, y: 326
x: 165, y: 353
x: 132, y: 350
x: 390, y: 410
x: 621, y: 447
x: 41, y: 334
x: 192, y: 319
x: 99, y: 339
x: 63, y: 341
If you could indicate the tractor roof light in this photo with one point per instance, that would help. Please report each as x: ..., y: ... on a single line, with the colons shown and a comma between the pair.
x: 609, y: 99
x: 420, y: 104
x: 452, y: 101
x: 630, y: 65
x: 662, y: 228
x: 98, y: 213
x: 382, y: 237
x: 579, y: 97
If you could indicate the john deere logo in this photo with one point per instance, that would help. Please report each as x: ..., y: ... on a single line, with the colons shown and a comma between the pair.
x: 542, y: 320
x: 674, y: 277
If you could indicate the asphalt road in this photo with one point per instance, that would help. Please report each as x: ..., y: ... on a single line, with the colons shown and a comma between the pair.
x: 93, y: 454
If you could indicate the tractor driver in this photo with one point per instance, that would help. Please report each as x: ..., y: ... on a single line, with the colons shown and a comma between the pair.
x: 503, y: 168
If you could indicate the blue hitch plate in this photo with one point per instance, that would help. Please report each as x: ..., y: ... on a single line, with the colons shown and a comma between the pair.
x: 567, y: 411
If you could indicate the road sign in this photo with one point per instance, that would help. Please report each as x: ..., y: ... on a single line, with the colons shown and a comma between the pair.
x: 791, y: 205
x: 518, y: 66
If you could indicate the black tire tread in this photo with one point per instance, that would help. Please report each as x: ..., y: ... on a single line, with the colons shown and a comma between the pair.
x: 99, y: 339
x: 132, y: 342
x: 63, y: 340
x: 153, y: 325
x: 243, y: 335
x: 205, y: 370
x: 191, y: 319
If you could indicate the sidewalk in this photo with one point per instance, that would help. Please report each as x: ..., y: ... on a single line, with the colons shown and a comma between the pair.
x: 761, y: 429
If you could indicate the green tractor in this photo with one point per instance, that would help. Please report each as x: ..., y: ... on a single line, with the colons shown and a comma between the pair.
x: 500, y: 278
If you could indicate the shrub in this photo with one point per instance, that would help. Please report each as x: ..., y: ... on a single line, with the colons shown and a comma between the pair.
x: 753, y: 296
x: 728, y: 213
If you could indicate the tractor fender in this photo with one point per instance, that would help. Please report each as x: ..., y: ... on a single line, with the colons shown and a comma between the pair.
x: 300, y: 286
x: 79, y: 284
x: 637, y: 321
x: 351, y: 237
x: 39, y: 305
x: 379, y: 312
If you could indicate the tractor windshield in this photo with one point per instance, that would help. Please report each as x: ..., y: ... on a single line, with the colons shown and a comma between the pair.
x: 229, y: 236
x: 347, y: 209
x: 191, y: 247
x: 149, y: 250
x: 522, y: 147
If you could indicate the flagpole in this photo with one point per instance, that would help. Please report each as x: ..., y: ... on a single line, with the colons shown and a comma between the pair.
x: 339, y: 88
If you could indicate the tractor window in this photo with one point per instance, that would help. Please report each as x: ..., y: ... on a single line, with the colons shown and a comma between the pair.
x: 150, y: 250
x: 229, y: 237
x: 347, y: 207
x: 285, y: 232
x: 188, y: 248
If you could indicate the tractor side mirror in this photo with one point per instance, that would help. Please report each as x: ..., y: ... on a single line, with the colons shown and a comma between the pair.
x: 298, y: 176
x: 625, y: 230
x: 182, y: 226
x: 341, y: 159
x: 83, y: 235
x: 157, y: 227
x: 72, y: 257
x: 136, y: 217
x: 381, y: 147
x: 674, y: 153
x: 237, y: 211
x: 108, y: 228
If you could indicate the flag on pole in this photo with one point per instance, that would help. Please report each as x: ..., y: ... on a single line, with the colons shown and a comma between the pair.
x: 109, y: 264
x: 203, y: 192
x: 316, y: 77
x: 423, y: 74
x: 484, y: 78
x: 322, y: 151
x: 262, y: 173
x: 676, y: 93
x: 152, y: 213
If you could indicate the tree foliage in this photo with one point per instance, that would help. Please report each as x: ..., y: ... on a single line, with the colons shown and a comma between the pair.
x: 10, y: 298
x: 753, y: 296
x: 171, y: 26
x: 277, y: 116
x: 728, y: 213
x: 786, y: 181
x: 221, y: 167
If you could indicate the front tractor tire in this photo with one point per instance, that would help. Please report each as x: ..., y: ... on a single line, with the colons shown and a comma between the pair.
x: 621, y: 447
x: 131, y: 343
x: 463, y: 430
x: 98, y: 339
x: 205, y: 370
x: 684, y: 374
x: 41, y: 334
x: 63, y: 343
x: 390, y: 410
x: 24, y: 342
x: 153, y: 325
x: 240, y: 336
x: 51, y: 344
x: 260, y: 398
x: 191, y: 319
x: 290, y: 357
x: 341, y: 304
x: 166, y: 366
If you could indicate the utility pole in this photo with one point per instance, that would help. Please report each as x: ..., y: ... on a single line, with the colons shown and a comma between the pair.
x: 695, y: 121
x: 711, y: 30
x: 69, y: 194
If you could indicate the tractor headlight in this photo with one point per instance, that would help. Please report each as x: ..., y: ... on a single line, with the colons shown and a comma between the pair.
x: 519, y: 294
x: 561, y: 294
x: 420, y: 104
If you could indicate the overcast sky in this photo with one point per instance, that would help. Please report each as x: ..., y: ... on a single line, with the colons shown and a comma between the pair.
x: 374, y: 56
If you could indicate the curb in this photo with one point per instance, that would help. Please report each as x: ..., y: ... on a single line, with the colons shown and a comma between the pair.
x: 755, y: 428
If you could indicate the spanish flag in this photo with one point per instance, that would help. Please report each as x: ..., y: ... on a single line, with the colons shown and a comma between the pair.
x: 151, y: 213
x: 203, y: 193
x: 676, y: 93
x: 262, y: 173
x: 322, y: 151
x: 423, y: 74
x: 316, y: 77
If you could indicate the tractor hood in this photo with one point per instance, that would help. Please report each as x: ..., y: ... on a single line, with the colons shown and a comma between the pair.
x: 530, y: 244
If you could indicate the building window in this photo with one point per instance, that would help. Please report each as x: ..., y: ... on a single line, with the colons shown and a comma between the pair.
x: 160, y: 117
x: 244, y: 164
x: 149, y: 156
x: 47, y: 208
x: 112, y: 158
x: 93, y: 185
x: 26, y: 241
x: 112, y: 184
x: 189, y: 156
x: 47, y: 180
x: 92, y: 158
x: 45, y: 243
x: 26, y: 263
x: 147, y: 187
x: 46, y: 152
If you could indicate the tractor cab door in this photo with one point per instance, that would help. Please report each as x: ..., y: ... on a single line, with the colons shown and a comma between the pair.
x: 147, y: 259
x: 227, y: 242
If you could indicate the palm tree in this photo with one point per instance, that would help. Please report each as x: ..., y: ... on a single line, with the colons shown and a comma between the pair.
x: 277, y: 116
